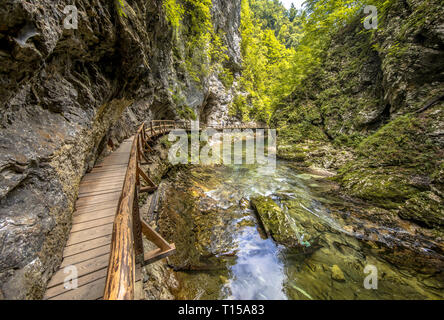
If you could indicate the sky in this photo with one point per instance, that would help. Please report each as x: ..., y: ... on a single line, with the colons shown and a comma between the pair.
x: 297, y: 3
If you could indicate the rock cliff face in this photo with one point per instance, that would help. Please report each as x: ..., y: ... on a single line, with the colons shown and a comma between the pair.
x: 69, y: 95
x: 378, y: 101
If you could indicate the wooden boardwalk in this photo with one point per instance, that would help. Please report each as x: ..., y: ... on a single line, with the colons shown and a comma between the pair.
x: 105, y: 244
x: 89, y: 243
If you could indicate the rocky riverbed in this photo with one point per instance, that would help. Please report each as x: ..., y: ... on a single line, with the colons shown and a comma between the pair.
x: 249, y: 232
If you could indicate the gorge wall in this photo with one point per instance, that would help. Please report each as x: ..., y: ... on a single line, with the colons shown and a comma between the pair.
x: 67, y: 96
x: 373, y: 112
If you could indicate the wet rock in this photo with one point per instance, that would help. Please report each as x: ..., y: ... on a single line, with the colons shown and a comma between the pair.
x: 337, y: 274
x: 426, y: 208
x: 70, y: 96
x: 223, y: 279
x: 158, y: 279
x: 275, y: 221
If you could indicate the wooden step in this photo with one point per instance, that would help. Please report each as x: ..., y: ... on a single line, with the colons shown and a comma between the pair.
x: 90, y: 291
x: 92, y: 224
x: 90, y: 234
x: 83, y: 268
x: 86, y: 255
x: 85, y: 216
x: 88, y: 245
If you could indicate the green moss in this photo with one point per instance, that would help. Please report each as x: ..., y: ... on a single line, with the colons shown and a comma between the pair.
x: 402, y: 141
x: 389, y: 159
x: 199, y: 49
x: 386, y: 188
x: 174, y: 12
x: 291, y: 152
x: 164, y: 142
x: 275, y: 221
x: 185, y: 112
x: 300, y: 132
x: 425, y: 208
x: 239, y: 107
x: 350, y: 140
x: 120, y: 7
x: 227, y: 78
x: 438, y: 174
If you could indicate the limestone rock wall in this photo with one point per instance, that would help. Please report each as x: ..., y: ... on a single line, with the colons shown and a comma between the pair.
x: 374, y: 111
x: 66, y: 97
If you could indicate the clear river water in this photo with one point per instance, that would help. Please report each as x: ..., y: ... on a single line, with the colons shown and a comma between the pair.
x: 250, y: 265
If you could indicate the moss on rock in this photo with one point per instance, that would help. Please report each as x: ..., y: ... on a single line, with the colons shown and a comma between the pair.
x: 275, y: 221
x: 386, y: 188
x: 425, y: 207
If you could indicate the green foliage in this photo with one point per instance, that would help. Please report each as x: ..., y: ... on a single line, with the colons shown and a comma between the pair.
x: 239, y: 108
x: 227, y: 78
x: 165, y: 142
x: 120, y: 6
x: 264, y: 60
x: 282, y: 48
x: 204, y: 51
x: 272, y: 15
x: 183, y: 111
x: 174, y: 12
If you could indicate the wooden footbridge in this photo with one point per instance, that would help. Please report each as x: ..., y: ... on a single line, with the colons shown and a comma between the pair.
x: 104, y: 251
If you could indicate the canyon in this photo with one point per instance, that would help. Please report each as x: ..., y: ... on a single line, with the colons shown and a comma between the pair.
x: 360, y: 139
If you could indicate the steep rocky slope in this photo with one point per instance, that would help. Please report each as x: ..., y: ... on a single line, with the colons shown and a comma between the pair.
x: 374, y: 112
x: 67, y: 96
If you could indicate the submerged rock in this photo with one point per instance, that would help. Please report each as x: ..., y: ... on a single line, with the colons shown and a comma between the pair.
x: 275, y: 222
x: 337, y: 274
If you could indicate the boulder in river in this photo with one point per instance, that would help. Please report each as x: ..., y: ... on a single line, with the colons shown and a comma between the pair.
x: 337, y: 274
x: 276, y: 223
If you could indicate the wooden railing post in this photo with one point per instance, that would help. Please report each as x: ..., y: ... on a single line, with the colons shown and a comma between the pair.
x: 142, y: 134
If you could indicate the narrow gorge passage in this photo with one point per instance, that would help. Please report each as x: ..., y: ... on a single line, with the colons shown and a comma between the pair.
x: 352, y: 209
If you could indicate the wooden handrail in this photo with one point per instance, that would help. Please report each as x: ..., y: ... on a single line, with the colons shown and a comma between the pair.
x: 127, y: 243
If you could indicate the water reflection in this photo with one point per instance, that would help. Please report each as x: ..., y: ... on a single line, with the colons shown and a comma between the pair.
x: 258, y: 273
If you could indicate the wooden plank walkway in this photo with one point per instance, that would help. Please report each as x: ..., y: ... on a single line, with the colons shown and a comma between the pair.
x: 89, y: 243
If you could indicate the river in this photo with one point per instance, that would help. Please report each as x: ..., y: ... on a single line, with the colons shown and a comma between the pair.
x: 243, y: 263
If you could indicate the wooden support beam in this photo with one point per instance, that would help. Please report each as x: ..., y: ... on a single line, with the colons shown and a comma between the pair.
x: 154, y: 237
x: 148, y: 147
x: 158, y: 254
x: 146, y: 178
x: 147, y: 189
